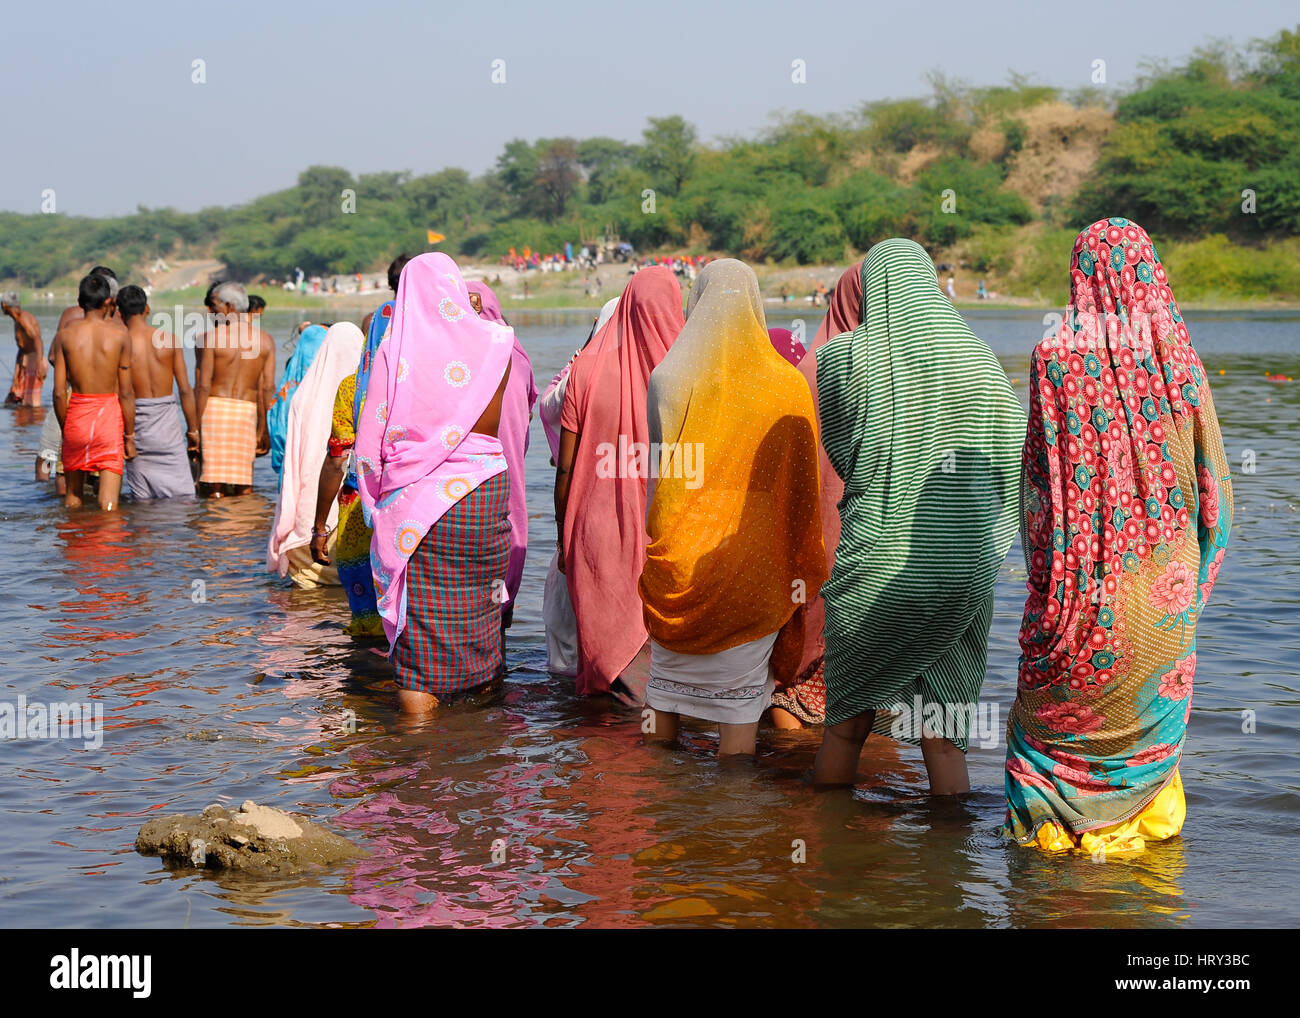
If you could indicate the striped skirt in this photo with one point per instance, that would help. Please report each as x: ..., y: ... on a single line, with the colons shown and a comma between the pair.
x: 454, y: 585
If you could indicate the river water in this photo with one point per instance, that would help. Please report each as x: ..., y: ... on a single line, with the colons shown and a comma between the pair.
x: 219, y: 683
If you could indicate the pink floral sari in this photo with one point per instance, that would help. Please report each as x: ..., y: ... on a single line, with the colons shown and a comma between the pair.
x: 1127, y: 509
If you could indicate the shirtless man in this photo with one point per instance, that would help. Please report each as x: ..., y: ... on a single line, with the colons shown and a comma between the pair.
x: 162, y: 468
x: 74, y: 312
x: 93, y: 359
x: 51, y: 433
x: 236, y: 386
x: 29, y: 366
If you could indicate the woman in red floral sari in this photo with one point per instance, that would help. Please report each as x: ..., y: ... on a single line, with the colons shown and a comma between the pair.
x: 1128, y: 506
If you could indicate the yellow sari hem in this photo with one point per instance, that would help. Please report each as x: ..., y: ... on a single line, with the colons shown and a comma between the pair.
x: 1161, y: 819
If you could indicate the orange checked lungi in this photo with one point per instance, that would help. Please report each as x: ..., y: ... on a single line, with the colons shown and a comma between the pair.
x: 228, y: 436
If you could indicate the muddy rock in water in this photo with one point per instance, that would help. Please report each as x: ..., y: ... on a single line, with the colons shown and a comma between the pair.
x: 252, y: 839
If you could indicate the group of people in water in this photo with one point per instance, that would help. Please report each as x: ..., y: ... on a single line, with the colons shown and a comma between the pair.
x: 743, y: 527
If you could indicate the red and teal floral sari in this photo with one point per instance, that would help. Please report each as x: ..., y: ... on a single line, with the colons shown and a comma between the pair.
x: 1127, y: 509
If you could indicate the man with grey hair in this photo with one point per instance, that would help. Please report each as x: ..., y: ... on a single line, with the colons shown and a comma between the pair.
x: 235, y: 387
x: 230, y: 297
x: 29, y: 365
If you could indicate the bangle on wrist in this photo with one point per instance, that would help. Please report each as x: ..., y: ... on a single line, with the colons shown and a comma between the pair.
x: 320, y: 533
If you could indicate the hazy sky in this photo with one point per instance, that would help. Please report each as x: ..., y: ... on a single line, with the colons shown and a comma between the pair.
x: 101, y: 107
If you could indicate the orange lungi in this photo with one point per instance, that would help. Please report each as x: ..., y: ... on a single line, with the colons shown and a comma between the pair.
x: 92, y: 433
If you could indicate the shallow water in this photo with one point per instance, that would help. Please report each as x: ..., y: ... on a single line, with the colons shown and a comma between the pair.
x: 252, y: 691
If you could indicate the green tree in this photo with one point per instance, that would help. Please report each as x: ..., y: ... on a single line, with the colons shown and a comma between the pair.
x: 668, y: 151
x: 803, y: 229
x: 320, y: 192
x: 601, y: 160
x: 555, y: 179
x: 516, y: 169
x: 446, y: 200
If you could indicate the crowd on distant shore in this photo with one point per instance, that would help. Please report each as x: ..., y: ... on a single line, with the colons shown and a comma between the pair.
x: 745, y: 527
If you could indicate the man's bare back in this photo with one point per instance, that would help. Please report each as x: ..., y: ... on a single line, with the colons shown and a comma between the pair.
x: 158, y: 364
x: 69, y: 316
x: 239, y: 363
x: 235, y: 360
x: 95, y: 352
x: 154, y: 354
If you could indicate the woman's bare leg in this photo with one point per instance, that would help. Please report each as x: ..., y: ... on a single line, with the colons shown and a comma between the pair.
x: 945, y: 764
x: 783, y: 719
x: 737, y: 740
x: 837, y: 759
x: 663, y: 726
x: 413, y: 701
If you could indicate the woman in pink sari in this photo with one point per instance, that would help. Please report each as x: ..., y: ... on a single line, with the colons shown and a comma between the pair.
x: 433, y: 479
x: 516, y: 414
x: 557, y: 609
x: 600, y: 481
x: 803, y: 701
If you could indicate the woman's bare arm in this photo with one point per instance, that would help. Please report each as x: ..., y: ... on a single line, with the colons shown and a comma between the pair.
x: 563, y: 475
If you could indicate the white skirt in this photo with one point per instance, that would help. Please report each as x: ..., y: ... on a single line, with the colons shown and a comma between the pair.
x: 561, y: 624
x: 733, y: 686
x: 51, y: 438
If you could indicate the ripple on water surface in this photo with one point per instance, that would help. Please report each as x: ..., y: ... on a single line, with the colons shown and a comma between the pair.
x: 532, y: 807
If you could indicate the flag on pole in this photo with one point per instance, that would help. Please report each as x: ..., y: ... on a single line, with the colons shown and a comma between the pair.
x: 435, y: 237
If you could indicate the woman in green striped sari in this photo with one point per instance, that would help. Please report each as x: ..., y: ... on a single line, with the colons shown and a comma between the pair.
x: 919, y: 421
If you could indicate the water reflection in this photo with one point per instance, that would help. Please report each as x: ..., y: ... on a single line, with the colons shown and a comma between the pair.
x: 221, y: 683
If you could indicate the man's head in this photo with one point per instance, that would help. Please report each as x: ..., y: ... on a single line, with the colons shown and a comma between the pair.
x: 94, y: 292
x: 395, y: 270
x: 256, y: 305
x: 132, y: 301
x: 111, y: 276
x: 207, y: 298
x: 230, y: 298
x: 9, y: 304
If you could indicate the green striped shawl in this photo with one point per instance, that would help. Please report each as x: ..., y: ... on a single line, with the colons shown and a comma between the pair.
x: 921, y: 424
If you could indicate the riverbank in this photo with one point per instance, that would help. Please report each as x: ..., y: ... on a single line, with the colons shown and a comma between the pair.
x: 1020, y: 269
